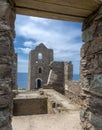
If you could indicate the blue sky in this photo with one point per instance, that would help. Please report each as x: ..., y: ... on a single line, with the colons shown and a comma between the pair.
x: 61, y: 36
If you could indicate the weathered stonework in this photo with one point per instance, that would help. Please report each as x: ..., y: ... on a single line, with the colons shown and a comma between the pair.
x: 91, y: 72
x: 60, y: 73
x: 56, y: 76
x: 30, y: 106
x: 14, y: 72
x: 39, y: 61
x: 72, y: 91
x: 68, y: 71
x: 7, y: 18
x: 46, y: 73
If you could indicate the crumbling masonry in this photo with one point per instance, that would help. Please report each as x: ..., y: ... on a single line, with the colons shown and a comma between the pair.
x: 91, y: 72
x: 7, y: 54
x: 39, y: 60
x: 43, y: 70
x: 60, y: 73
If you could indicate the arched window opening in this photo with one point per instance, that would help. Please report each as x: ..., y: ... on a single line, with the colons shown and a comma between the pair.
x: 40, y: 56
x: 40, y: 70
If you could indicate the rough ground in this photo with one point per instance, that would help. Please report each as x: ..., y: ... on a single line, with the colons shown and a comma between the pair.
x: 66, y: 120
x: 54, y: 96
x: 62, y: 121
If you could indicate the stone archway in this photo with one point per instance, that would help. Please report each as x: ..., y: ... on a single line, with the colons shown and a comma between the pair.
x: 38, y: 83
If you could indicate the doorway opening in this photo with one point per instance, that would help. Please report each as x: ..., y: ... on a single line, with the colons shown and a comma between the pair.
x: 38, y: 83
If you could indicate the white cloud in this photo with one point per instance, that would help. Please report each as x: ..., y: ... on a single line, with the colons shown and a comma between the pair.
x: 55, y: 32
x: 40, y: 20
x: 25, y: 50
x: 28, y: 44
x: 62, y: 37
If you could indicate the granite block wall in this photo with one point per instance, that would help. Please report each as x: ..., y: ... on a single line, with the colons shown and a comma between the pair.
x: 91, y: 72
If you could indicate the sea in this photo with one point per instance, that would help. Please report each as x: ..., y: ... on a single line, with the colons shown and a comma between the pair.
x: 22, y: 79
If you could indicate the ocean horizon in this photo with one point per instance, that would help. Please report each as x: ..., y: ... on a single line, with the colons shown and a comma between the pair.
x: 22, y: 79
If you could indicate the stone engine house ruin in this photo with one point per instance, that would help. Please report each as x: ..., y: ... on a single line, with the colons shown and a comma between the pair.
x: 39, y: 60
x: 46, y: 73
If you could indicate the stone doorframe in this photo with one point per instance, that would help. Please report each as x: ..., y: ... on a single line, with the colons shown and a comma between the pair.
x: 38, y: 79
x: 7, y: 59
x: 91, y: 68
x: 91, y: 72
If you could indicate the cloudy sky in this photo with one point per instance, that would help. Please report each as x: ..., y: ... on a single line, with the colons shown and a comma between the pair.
x: 61, y: 36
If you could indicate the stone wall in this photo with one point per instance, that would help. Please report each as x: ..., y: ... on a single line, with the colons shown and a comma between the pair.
x: 14, y: 73
x: 91, y: 72
x: 68, y: 71
x: 72, y: 91
x: 36, y: 63
x: 60, y: 73
x: 30, y: 106
x: 7, y: 34
x: 56, y: 77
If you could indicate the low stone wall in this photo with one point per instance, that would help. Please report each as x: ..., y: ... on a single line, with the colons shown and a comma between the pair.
x: 30, y: 106
x: 58, y: 87
x: 72, y: 91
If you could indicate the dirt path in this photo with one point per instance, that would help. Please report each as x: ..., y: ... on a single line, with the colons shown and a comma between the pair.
x: 64, y: 121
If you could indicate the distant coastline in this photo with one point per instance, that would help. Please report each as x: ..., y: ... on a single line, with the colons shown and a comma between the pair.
x: 22, y: 79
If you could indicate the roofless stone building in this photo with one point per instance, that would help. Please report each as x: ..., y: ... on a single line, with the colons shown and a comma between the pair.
x: 44, y: 72
x: 39, y: 60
